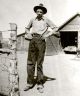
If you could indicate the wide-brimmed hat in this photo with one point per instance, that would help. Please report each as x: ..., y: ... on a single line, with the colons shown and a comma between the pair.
x: 40, y: 7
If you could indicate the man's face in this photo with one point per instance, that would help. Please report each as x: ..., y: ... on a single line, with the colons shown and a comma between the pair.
x: 39, y: 12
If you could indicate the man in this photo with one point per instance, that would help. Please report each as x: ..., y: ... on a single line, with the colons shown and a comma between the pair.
x: 37, y: 46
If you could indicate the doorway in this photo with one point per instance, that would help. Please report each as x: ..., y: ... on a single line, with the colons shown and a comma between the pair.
x: 69, y: 38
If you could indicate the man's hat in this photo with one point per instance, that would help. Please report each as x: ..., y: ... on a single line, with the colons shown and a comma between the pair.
x: 40, y: 7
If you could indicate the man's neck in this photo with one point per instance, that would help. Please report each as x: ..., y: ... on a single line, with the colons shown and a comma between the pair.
x: 39, y: 18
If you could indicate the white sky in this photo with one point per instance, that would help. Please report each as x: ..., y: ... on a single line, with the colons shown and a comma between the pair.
x: 21, y: 11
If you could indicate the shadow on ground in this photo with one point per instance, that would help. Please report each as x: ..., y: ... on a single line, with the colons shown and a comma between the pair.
x: 45, y: 79
x: 3, y: 94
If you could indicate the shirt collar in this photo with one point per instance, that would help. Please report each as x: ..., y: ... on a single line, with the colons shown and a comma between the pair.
x: 41, y: 18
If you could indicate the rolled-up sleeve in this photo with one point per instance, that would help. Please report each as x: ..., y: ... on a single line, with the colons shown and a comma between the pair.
x: 30, y: 24
x: 50, y: 24
x: 27, y: 29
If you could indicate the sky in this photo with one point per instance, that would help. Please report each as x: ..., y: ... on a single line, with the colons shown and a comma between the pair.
x: 21, y: 11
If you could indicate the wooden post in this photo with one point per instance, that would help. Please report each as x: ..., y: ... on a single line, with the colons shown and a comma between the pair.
x: 13, y: 72
x: 78, y: 46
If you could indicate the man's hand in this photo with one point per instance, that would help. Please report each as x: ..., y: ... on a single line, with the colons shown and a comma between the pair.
x: 56, y: 34
x: 28, y: 36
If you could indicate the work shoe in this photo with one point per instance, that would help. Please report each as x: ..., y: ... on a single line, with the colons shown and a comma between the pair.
x: 29, y: 86
x: 40, y: 88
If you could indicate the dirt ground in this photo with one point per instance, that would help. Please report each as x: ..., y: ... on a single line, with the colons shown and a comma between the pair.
x: 64, y: 67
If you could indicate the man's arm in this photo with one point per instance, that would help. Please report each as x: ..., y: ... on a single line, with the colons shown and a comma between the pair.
x: 27, y: 34
x: 53, y: 27
x: 27, y: 30
x: 53, y: 32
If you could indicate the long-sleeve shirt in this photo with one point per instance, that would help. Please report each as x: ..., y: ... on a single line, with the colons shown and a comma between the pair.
x: 40, y: 26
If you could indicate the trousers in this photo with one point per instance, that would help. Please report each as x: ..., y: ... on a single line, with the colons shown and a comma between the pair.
x: 36, y: 52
